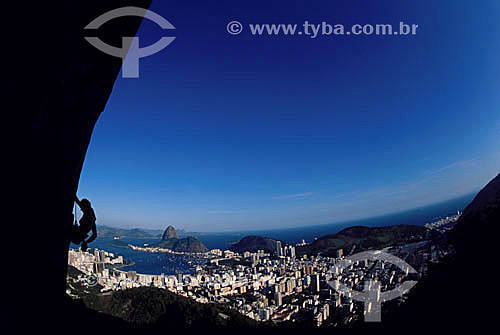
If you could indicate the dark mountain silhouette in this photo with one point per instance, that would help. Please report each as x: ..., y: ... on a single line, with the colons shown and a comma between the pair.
x: 153, y: 308
x: 170, y: 240
x: 479, y: 220
x: 437, y: 302
x: 254, y: 243
x: 61, y: 85
x: 187, y: 244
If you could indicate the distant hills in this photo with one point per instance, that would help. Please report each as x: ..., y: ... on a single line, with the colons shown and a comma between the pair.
x: 110, y: 232
x: 254, y: 243
x: 171, y: 240
x: 359, y: 238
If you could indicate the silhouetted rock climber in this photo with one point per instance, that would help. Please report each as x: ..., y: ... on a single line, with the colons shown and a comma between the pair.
x: 87, y: 223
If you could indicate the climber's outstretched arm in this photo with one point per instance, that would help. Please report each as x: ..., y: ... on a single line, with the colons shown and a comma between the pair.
x: 78, y: 201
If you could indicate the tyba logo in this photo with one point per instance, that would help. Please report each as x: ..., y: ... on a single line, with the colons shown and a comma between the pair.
x: 130, y: 53
x: 371, y: 296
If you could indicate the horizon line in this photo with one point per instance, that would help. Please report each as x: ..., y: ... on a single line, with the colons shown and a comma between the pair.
x: 473, y: 193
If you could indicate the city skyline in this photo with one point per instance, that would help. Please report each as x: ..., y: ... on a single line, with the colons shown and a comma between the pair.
x: 312, y: 284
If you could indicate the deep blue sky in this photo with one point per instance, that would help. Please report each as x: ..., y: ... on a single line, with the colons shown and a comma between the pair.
x: 224, y: 132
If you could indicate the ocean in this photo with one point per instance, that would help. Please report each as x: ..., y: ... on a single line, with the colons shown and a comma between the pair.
x: 158, y: 263
x: 419, y: 216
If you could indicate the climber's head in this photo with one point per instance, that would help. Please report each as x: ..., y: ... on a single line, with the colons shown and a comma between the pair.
x: 85, y: 203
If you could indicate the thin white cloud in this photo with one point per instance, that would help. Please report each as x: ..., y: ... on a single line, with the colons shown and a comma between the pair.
x: 224, y: 212
x: 294, y: 196
x: 454, y: 165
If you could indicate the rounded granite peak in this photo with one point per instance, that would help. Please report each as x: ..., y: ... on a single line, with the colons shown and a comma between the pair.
x: 170, y: 233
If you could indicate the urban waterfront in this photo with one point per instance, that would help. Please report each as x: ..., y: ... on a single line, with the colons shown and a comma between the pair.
x: 274, y: 286
x: 143, y: 262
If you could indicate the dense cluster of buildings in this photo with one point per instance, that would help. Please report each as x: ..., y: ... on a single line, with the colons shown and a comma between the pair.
x: 93, y: 263
x: 264, y: 286
x: 445, y: 223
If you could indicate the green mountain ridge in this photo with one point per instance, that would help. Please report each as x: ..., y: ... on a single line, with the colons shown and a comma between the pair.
x: 360, y: 238
x: 153, y: 308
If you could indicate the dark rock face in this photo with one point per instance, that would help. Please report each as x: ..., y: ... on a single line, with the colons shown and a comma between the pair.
x: 63, y: 84
x: 170, y: 233
x: 479, y: 220
x: 437, y: 300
